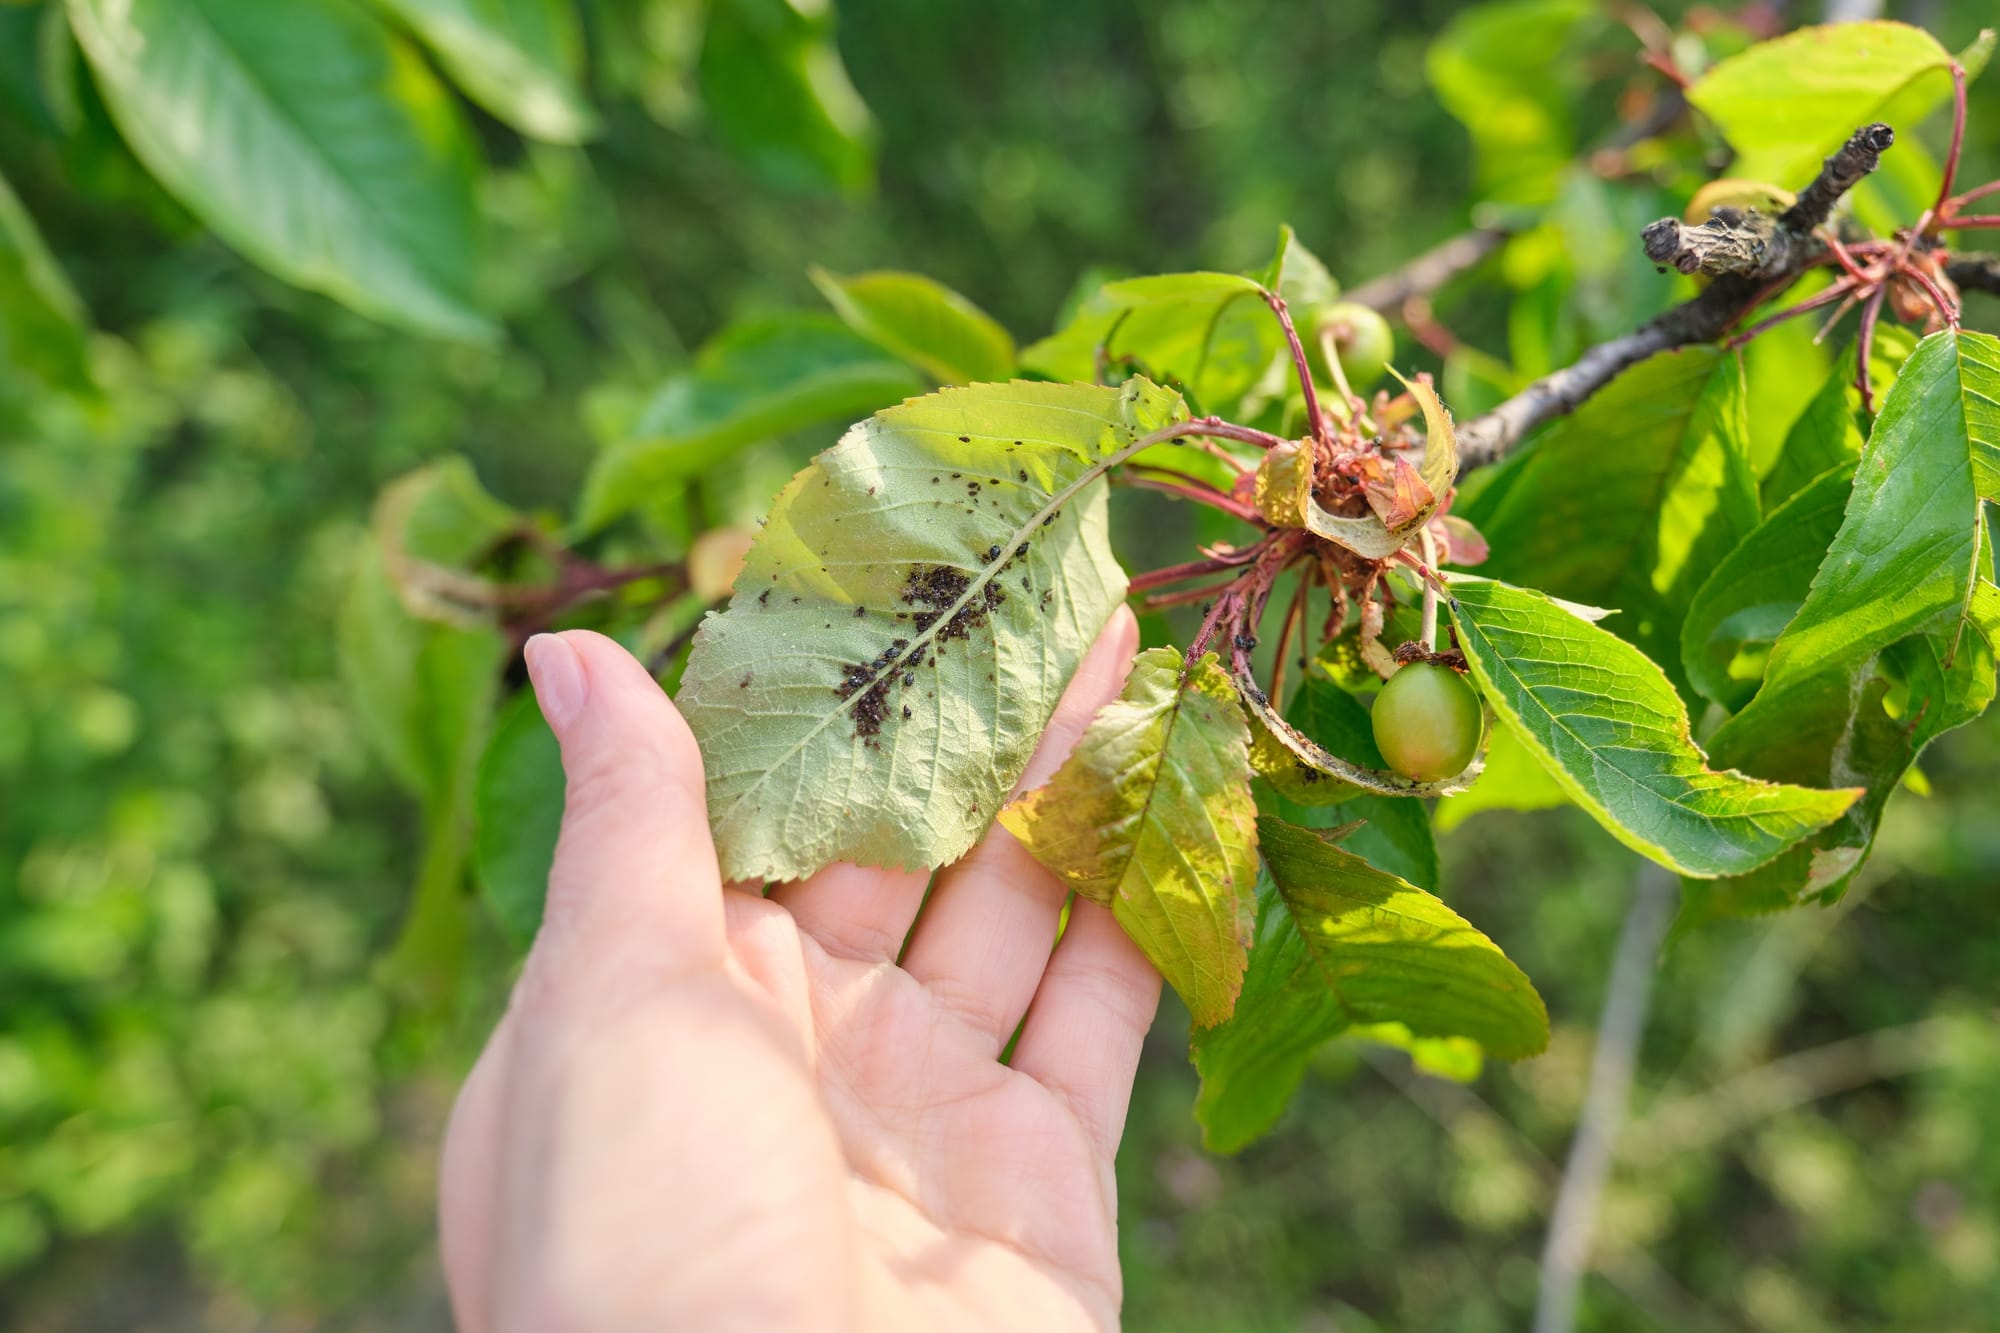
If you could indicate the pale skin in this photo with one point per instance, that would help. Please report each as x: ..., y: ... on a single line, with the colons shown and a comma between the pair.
x: 712, y: 1109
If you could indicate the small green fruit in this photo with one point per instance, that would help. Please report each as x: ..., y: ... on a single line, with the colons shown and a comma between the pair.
x: 1427, y: 722
x: 1361, y: 338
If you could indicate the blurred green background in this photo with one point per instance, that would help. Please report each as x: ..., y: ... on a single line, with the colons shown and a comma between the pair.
x: 216, y: 1114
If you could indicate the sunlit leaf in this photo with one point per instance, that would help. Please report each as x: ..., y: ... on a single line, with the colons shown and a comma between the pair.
x: 307, y: 137
x: 905, y: 623
x: 1606, y: 724
x: 1508, y: 71
x: 1151, y: 816
x: 1786, y: 104
x: 754, y: 381
x: 1209, y: 332
x: 924, y: 322
x: 1631, y: 501
x: 1341, y: 943
x: 520, y: 59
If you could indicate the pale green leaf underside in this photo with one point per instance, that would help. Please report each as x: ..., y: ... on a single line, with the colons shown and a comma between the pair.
x: 922, y: 321
x: 908, y: 617
x: 307, y: 137
x: 1151, y: 815
x: 1607, y: 725
x: 520, y: 59
x: 1785, y: 104
x: 1342, y: 944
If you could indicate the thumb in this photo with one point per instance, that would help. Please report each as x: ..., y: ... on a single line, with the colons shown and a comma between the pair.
x: 634, y: 889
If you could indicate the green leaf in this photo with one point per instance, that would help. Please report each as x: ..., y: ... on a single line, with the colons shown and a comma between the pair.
x: 752, y: 382
x: 1830, y: 431
x: 1210, y: 332
x: 420, y: 690
x: 434, y: 527
x: 520, y: 59
x: 1513, y: 779
x: 1753, y: 594
x: 42, y: 322
x: 906, y: 621
x: 1297, y: 274
x: 1890, y: 647
x: 1508, y: 71
x: 1631, y: 501
x: 1341, y: 943
x: 1786, y: 104
x: 517, y: 807
x: 1151, y: 816
x: 307, y: 137
x: 779, y: 97
x: 1905, y: 553
x: 1605, y: 723
x: 924, y: 322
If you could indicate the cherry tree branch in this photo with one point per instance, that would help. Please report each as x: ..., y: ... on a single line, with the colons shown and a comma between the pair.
x: 1974, y: 273
x: 1784, y: 247
x: 1428, y: 271
x: 1586, y: 1171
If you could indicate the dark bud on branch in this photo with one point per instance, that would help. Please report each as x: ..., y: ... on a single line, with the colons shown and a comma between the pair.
x: 1838, y: 174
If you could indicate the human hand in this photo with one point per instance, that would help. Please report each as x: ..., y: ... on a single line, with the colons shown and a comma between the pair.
x: 710, y: 1109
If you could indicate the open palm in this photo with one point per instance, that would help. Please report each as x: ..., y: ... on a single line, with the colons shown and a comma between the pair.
x: 708, y: 1108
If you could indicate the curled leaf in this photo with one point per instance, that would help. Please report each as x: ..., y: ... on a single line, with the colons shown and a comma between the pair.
x: 1401, y: 497
x: 1281, y: 741
x: 1151, y: 815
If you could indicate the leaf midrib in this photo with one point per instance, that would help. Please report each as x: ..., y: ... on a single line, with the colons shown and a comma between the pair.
x: 1091, y: 473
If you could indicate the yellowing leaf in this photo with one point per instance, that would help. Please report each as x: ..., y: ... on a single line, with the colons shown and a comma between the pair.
x: 1151, y: 815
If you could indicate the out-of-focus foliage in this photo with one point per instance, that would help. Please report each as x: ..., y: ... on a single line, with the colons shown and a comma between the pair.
x: 227, y: 1045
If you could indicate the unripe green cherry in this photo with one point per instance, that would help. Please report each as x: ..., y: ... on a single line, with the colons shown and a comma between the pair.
x: 1360, y: 337
x: 1427, y: 722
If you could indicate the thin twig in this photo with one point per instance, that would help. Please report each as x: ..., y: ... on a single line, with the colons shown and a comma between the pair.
x: 1974, y: 273
x: 1428, y: 271
x: 1692, y: 1122
x: 1573, y: 1222
x: 1490, y: 436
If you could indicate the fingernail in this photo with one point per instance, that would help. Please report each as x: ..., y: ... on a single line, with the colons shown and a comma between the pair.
x: 560, y: 686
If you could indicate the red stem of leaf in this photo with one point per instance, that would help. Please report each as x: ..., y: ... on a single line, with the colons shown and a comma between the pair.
x: 1980, y: 222
x: 1864, y: 348
x: 1957, y: 138
x: 1209, y: 496
x: 1315, y: 423
x: 1976, y: 192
